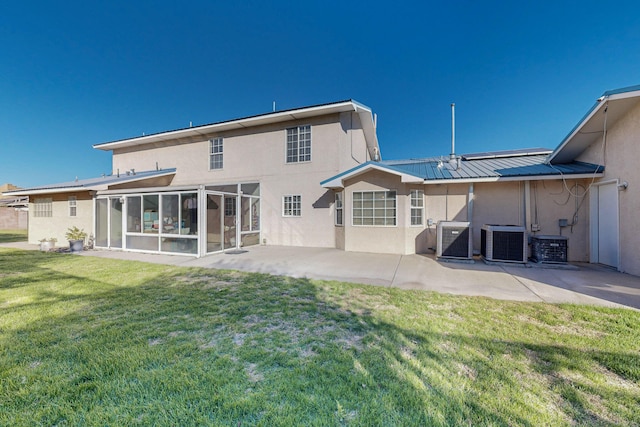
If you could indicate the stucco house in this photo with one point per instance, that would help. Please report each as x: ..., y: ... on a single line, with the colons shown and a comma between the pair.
x: 314, y: 176
x: 220, y: 186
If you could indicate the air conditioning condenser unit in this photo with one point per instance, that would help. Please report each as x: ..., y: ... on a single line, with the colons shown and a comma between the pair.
x: 503, y: 243
x: 551, y: 249
x: 454, y: 240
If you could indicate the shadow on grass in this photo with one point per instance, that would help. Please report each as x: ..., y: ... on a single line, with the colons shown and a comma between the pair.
x: 11, y: 236
x: 193, y: 347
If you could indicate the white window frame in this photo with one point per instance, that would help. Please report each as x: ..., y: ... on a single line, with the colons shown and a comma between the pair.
x: 297, y: 157
x: 292, y: 205
x: 73, y: 206
x: 339, y: 209
x: 43, y: 207
x: 387, y: 220
x: 216, y: 153
x: 416, y: 202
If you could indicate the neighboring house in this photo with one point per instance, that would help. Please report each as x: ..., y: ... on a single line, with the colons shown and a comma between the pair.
x: 214, y: 187
x: 13, y: 209
x: 313, y: 177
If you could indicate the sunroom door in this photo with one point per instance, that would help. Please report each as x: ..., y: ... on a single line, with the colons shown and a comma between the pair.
x: 115, y: 223
x: 215, y: 216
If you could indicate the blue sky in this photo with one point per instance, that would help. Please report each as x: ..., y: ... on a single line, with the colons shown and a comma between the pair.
x: 73, y: 74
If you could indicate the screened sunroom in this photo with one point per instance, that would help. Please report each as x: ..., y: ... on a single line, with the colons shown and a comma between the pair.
x: 190, y: 220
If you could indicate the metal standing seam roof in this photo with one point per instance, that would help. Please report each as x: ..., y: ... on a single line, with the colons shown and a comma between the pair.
x: 93, y: 183
x: 490, y: 166
x: 501, y: 167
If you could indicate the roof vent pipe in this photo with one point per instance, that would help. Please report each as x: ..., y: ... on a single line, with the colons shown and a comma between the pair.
x: 452, y: 156
x: 454, y: 162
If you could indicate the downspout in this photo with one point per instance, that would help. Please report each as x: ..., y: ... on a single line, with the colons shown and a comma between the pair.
x: 470, y: 203
x: 351, y: 135
x: 238, y: 217
x: 527, y: 206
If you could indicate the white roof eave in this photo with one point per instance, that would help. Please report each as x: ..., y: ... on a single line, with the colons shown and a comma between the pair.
x: 338, y: 183
x: 93, y: 187
x: 275, y: 117
x: 578, y: 139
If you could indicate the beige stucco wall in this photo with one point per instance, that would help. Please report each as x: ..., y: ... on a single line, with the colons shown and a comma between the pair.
x: 558, y: 199
x: 57, y: 225
x: 444, y: 202
x: 622, y: 150
x: 258, y: 155
x: 502, y: 203
x: 379, y: 239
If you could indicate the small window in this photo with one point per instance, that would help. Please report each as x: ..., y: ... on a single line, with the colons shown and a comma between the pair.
x: 216, y: 148
x: 229, y: 206
x: 292, y: 205
x: 73, y: 205
x: 299, y: 144
x: 42, y: 208
x: 417, y: 207
x: 339, y: 209
x: 374, y: 208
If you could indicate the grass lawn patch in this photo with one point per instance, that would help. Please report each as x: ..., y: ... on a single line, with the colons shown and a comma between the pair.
x: 92, y: 341
x: 10, y: 236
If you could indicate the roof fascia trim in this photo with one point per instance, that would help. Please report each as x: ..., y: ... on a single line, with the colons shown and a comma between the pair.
x: 611, y: 95
x: 515, y: 178
x: 95, y: 187
x: 338, y: 180
x: 238, y: 123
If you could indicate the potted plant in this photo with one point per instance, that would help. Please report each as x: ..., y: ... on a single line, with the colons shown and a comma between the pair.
x: 47, y: 244
x: 76, y: 237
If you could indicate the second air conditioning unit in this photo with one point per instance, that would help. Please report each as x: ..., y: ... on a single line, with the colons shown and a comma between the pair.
x: 503, y: 243
x: 454, y: 240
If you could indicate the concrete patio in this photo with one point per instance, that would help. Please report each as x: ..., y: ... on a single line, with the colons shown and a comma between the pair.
x: 576, y: 283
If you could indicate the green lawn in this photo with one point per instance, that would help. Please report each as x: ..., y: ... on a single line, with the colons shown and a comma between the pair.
x: 90, y: 341
x: 9, y: 236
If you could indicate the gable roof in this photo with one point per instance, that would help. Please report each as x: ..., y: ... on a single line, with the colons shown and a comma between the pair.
x: 607, y: 110
x: 513, y: 165
x: 92, y: 184
x: 365, y: 113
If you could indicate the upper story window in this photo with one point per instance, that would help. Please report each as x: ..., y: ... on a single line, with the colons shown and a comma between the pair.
x: 73, y: 205
x: 292, y: 205
x: 374, y: 208
x: 229, y: 206
x: 43, y: 207
x: 299, y: 144
x: 417, y: 207
x: 216, y: 148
